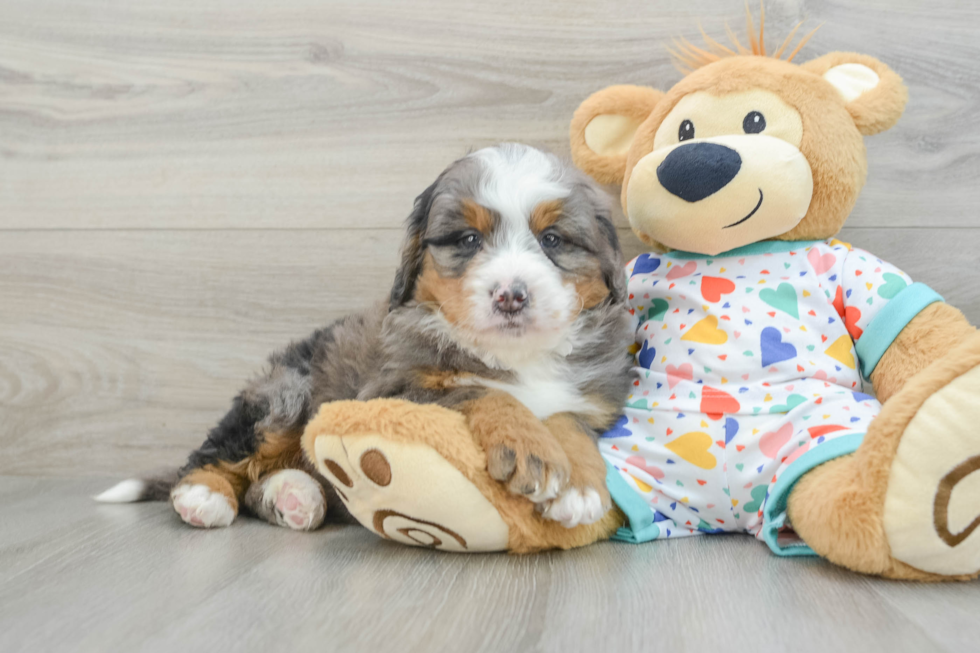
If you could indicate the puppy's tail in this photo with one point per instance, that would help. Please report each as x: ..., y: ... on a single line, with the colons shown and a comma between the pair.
x: 156, y: 488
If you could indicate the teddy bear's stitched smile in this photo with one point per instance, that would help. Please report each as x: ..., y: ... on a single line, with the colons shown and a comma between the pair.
x: 735, y: 224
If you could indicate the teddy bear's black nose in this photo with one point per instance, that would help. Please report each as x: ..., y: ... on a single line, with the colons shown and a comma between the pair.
x: 695, y: 171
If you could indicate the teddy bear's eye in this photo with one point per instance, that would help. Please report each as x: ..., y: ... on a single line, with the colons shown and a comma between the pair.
x: 753, y: 123
x: 686, y: 131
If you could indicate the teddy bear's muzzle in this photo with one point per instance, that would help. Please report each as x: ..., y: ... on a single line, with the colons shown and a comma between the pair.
x: 715, y: 194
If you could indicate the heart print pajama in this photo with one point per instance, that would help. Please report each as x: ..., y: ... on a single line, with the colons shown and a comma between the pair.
x: 748, y: 373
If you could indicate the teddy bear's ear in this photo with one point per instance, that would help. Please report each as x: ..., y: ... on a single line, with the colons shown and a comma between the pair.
x: 603, y: 128
x: 874, y: 93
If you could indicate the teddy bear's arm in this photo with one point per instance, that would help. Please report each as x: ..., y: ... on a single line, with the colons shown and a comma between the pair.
x: 899, y: 327
x: 926, y: 339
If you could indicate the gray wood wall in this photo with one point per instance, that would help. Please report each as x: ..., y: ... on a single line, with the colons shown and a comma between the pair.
x: 186, y: 185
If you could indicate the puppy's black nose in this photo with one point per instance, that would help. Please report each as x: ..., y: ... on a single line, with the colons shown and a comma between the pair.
x: 510, y: 300
x: 695, y: 171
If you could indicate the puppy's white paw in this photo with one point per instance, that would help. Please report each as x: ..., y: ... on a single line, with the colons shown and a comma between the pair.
x: 575, y: 506
x: 297, y: 499
x: 199, y: 505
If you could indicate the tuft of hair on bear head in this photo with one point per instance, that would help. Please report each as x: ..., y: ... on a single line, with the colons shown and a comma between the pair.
x: 689, y: 57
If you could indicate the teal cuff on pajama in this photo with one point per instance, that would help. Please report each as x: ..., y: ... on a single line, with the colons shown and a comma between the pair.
x: 774, y: 516
x: 888, y: 323
x: 641, y: 527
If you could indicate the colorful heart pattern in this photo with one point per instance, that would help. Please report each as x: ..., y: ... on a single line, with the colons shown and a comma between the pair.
x: 658, y: 309
x: 773, y: 349
x: 772, y: 442
x: 842, y: 351
x: 695, y: 449
x: 712, y: 288
x: 645, y: 264
x: 758, y: 497
x: 744, y: 366
x: 893, y: 285
x: 821, y: 262
x: 678, y: 271
x: 678, y: 373
x: 646, y: 355
x: 706, y: 332
x: 715, y: 403
x: 641, y: 464
x: 783, y: 298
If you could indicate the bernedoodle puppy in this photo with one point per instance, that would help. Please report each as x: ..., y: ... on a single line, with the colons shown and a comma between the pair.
x: 509, y: 306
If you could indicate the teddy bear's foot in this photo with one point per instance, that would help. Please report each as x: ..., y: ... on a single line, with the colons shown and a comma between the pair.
x: 402, y: 490
x: 290, y: 498
x: 906, y: 504
x: 932, y: 506
x: 409, y: 493
x: 415, y: 474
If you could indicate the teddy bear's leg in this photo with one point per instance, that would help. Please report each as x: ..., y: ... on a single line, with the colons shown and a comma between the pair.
x: 416, y: 475
x: 906, y: 504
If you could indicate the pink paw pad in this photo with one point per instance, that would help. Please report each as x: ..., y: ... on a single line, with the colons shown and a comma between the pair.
x: 299, y: 503
x: 289, y: 505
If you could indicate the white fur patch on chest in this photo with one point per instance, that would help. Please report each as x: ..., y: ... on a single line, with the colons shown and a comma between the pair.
x: 544, y: 387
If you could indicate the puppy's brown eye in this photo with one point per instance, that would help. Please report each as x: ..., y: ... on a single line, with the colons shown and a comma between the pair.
x: 753, y: 123
x: 550, y: 240
x: 470, y: 241
x: 686, y: 131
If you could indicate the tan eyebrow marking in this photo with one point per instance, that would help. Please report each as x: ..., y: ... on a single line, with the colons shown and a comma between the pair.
x: 545, y: 214
x: 477, y: 216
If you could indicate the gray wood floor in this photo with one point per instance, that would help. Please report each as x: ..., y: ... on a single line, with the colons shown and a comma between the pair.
x: 186, y: 185
x: 77, y: 576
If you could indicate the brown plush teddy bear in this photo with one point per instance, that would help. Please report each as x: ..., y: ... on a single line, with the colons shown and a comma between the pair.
x: 755, y: 333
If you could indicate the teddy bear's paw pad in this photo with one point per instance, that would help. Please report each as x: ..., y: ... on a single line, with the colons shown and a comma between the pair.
x: 408, y: 493
x: 932, y: 506
x: 295, y: 500
x: 199, y: 505
x: 575, y: 506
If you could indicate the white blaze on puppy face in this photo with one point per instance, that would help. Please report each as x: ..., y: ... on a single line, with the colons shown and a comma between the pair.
x: 514, y: 182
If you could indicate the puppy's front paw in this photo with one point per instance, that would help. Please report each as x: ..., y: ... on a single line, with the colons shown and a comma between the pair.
x: 536, y: 470
x: 576, y: 506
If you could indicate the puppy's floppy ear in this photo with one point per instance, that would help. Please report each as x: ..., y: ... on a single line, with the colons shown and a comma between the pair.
x: 603, y: 128
x: 873, y: 93
x: 613, y: 273
x: 413, y: 250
